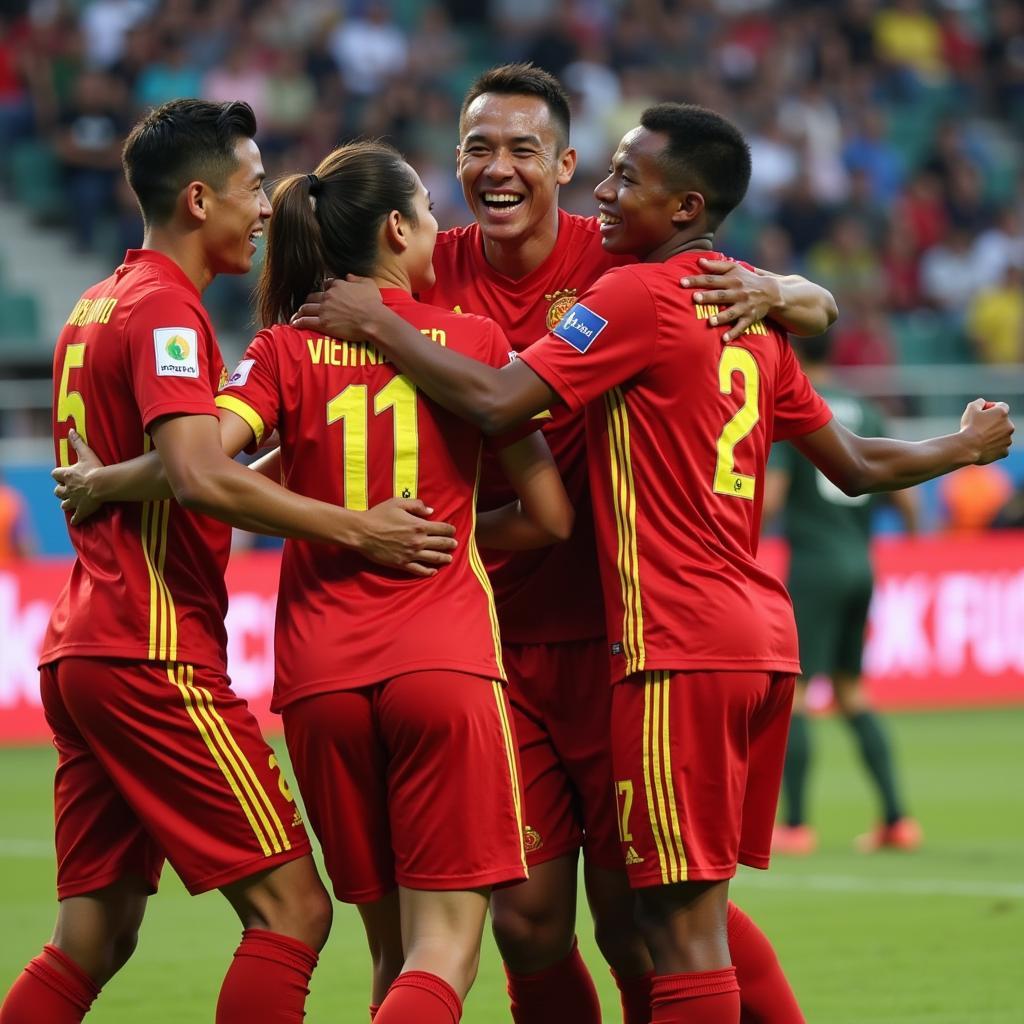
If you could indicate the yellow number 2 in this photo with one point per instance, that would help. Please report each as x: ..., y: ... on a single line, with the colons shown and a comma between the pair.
x: 70, y: 405
x: 727, y: 480
x: 351, y: 408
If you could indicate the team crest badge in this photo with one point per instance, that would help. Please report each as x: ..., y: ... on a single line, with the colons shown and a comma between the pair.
x: 532, y: 840
x: 561, y: 302
x: 222, y: 383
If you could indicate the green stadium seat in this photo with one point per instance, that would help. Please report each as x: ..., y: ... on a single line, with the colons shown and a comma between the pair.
x: 36, y: 181
x: 21, y: 340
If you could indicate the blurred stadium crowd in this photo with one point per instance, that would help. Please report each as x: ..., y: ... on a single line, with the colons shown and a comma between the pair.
x: 886, y: 136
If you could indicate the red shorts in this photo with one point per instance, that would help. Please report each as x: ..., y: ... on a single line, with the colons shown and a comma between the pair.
x: 698, y: 765
x: 413, y: 781
x: 161, y: 759
x: 561, y: 698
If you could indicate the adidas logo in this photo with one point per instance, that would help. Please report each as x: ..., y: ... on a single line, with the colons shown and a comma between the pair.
x: 632, y: 857
x: 297, y: 819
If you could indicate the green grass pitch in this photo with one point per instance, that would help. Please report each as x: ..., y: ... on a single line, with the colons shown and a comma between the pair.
x: 935, y: 937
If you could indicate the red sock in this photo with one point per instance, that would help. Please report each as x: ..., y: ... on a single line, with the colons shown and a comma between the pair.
x: 268, y: 980
x: 765, y: 995
x: 701, y: 997
x: 51, y: 988
x: 562, y: 992
x: 635, y: 993
x: 420, y: 997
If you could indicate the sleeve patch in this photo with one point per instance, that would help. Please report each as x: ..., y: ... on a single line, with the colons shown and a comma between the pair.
x: 177, y: 352
x: 241, y: 375
x: 579, y: 327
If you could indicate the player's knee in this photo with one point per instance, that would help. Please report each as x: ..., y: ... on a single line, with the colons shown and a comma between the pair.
x: 622, y: 944
x: 526, y: 936
x: 315, y: 914
x: 122, y: 948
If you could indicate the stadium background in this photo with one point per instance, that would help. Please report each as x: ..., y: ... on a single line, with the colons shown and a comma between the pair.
x: 886, y: 140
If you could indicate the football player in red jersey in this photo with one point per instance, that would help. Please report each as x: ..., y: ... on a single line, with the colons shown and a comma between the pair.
x: 394, y: 709
x: 157, y: 757
x: 525, y: 262
x: 679, y: 422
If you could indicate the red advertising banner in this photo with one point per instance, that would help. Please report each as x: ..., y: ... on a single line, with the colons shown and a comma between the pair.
x: 947, y: 627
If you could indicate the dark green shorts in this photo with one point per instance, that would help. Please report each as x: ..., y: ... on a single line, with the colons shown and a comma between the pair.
x: 831, y: 615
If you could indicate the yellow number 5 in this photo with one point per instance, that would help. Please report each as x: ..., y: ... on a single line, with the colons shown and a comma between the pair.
x: 727, y: 480
x: 70, y: 405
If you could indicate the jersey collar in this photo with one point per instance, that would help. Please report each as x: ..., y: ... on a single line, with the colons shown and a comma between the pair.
x: 134, y: 257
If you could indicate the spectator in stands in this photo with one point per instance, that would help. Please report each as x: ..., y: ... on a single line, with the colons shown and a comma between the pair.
x: 949, y: 275
x: 370, y: 50
x: 88, y: 144
x: 995, y: 318
x: 170, y: 76
x: 16, y: 539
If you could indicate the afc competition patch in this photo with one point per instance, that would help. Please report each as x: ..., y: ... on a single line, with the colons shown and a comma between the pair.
x: 561, y: 302
x: 580, y: 326
x: 177, y: 352
x: 240, y: 376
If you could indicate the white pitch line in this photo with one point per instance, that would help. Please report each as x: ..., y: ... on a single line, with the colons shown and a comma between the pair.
x: 30, y: 848
x: 897, y: 886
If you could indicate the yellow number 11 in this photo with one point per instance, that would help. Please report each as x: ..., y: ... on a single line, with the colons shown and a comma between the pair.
x: 351, y: 407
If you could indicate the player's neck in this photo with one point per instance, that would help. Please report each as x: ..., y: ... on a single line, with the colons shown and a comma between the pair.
x: 184, y: 252
x: 392, y: 276
x: 516, y: 257
x: 681, y: 243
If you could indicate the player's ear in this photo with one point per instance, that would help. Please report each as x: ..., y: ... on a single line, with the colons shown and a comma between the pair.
x: 396, y: 231
x: 690, y: 208
x: 458, y: 162
x: 196, y: 198
x: 566, y: 165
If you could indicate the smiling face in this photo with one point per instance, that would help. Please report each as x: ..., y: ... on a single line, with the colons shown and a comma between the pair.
x: 638, y: 212
x: 510, y: 164
x: 236, y: 213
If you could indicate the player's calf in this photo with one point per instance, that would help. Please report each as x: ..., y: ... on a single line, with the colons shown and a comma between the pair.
x: 287, y: 900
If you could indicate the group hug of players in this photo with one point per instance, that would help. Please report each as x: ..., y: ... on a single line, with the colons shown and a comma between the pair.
x: 547, y: 424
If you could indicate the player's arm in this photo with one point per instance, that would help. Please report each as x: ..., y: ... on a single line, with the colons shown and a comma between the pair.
x: 493, y: 399
x: 543, y: 514
x: 204, y: 479
x: 799, y: 306
x: 860, y: 465
x: 87, y: 484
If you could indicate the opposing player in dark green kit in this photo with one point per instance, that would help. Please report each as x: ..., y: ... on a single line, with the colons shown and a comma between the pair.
x: 830, y: 581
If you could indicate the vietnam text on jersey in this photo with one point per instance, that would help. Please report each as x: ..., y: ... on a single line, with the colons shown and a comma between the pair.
x: 355, y: 432
x: 551, y: 594
x: 148, y: 582
x: 678, y: 445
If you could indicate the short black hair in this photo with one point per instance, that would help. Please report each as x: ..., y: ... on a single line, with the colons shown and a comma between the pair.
x: 524, y: 80
x: 705, y: 152
x: 182, y: 141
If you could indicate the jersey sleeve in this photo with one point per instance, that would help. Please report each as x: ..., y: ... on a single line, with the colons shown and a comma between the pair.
x: 799, y: 409
x: 173, y: 358
x: 498, y: 352
x: 609, y: 336
x: 253, y: 390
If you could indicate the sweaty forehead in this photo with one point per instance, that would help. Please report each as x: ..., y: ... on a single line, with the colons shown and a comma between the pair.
x: 497, y: 116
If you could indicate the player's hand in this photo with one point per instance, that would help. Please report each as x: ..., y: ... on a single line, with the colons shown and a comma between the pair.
x: 74, y: 482
x: 399, y: 534
x: 989, y: 429
x: 341, y: 310
x: 743, y: 296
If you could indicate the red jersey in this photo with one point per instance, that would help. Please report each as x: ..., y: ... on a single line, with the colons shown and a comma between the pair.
x: 354, y: 432
x: 148, y: 582
x: 678, y: 446
x: 551, y: 594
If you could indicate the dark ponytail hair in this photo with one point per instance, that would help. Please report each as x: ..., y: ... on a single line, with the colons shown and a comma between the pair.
x: 325, y: 224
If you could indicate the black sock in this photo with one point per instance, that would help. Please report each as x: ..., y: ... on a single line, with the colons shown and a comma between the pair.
x: 877, y: 756
x: 794, y: 776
